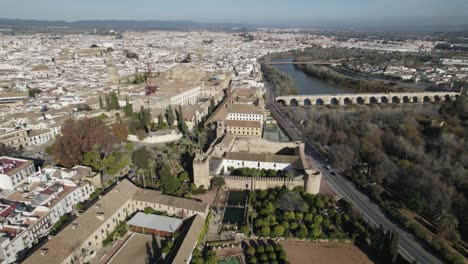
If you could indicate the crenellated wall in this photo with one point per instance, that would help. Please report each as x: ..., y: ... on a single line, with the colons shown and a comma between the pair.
x: 260, y: 183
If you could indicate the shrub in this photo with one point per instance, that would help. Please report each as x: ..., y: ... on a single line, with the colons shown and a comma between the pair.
x: 272, y: 256
x: 269, y: 248
x: 260, y: 249
x: 251, y: 251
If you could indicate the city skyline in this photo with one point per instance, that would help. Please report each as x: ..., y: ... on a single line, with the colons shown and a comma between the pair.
x: 296, y: 12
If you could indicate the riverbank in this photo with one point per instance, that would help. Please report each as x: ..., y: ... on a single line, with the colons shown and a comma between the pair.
x: 282, y: 83
x: 305, y: 84
x: 357, y: 84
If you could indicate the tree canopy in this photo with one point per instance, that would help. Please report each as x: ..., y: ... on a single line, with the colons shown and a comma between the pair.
x: 79, y: 137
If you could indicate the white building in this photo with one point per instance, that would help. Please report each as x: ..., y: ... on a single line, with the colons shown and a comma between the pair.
x: 14, y: 171
x: 186, y: 98
x: 243, y: 112
x: 41, y: 136
x: 259, y: 161
x: 21, y: 228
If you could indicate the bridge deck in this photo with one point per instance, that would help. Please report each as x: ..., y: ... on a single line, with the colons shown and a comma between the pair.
x: 367, y: 98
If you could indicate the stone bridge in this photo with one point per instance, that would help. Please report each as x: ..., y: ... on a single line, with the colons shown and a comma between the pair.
x: 366, y: 98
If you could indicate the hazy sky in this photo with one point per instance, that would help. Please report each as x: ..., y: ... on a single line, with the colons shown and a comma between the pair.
x: 444, y: 11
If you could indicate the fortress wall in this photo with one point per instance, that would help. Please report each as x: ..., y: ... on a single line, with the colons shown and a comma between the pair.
x: 259, y: 145
x: 259, y: 183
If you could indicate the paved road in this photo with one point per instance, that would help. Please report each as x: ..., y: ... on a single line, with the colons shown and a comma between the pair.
x: 409, y: 247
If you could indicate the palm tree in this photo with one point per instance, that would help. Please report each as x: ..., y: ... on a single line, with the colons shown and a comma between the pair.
x: 141, y: 173
x: 152, y: 168
x: 289, y: 175
x: 445, y: 220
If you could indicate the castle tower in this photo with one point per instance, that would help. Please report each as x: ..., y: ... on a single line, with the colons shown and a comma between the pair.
x: 312, y: 181
x: 201, y: 170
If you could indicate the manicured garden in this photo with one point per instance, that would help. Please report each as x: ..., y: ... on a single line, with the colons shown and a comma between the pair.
x: 265, y: 252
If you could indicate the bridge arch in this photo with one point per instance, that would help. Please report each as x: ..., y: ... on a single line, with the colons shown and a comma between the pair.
x: 415, y: 99
x: 426, y: 99
x: 384, y: 99
x: 360, y: 100
x: 373, y: 100
x: 406, y: 99
x: 447, y: 98
x: 293, y: 102
x: 347, y: 101
x: 281, y: 102
x: 319, y: 102
x: 307, y: 102
x: 395, y: 100
x: 334, y: 101
x: 437, y: 98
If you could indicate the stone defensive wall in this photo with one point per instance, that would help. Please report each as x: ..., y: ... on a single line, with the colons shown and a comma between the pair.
x: 261, y: 183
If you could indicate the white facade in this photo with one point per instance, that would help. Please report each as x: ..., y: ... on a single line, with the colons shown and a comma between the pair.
x: 66, y: 203
x: 186, y: 98
x: 42, y: 138
x: 245, y: 117
x: 51, y: 210
x: 9, y: 248
x: 10, y: 181
x: 255, y: 165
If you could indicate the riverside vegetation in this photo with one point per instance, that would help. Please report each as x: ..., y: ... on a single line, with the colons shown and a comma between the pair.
x: 403, y: 159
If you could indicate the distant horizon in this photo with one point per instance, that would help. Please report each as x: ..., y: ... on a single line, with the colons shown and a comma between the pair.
x: 295, y: 12
x: 401, y: 25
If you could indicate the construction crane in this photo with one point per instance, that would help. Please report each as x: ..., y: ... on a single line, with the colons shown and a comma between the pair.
x: 149, y: 88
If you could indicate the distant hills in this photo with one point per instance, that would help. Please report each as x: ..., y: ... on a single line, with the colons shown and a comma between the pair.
x: 408, y: 25
x: 114, y: 24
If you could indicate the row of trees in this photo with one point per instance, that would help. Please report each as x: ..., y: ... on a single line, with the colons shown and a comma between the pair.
x: 111, y: 101
x: 358, y: 85
x: 385, y: 243
x: 251, y: 172
x: 262, y: 252
x: 419, y: 157
x: 207, y: 256
x: 281, y: 212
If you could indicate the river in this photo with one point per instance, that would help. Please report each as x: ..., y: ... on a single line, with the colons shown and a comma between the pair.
x: 306, y: 84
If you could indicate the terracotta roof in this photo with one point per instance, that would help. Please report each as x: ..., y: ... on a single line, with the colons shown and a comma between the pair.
x: 241, y: 123
x: 227, y: 140
x: 154, y: 197
x: 13, y: 165
x: 69, y: 239
x: 190, y: 240
x: 243, y: 92
x: 37, y: 132
x: 243, y: 109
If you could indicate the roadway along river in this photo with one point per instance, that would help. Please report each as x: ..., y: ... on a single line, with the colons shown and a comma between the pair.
x: 409, y: 247
x: 306, y: 84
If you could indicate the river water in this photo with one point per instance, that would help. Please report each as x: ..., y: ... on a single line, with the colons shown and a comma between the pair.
x: 306, y: 84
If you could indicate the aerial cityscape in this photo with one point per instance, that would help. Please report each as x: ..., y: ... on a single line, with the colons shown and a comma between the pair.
x: 234, y: 132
